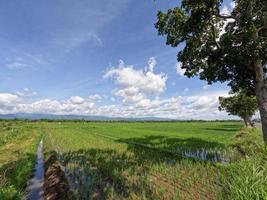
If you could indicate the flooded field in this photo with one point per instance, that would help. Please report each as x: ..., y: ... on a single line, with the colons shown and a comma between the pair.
x: 119, y: 160
x: 124, y: 160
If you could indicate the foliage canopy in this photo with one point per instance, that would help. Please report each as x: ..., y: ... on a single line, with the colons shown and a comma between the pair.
x: 218, y: 47
x: 240, y: 104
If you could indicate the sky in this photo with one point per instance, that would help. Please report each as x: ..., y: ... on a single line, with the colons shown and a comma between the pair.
x: 100, y: 58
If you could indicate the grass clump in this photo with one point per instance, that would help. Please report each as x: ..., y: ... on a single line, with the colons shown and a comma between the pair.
x: 9, y: 193
x: 247, y: 179
x: 248, y: 142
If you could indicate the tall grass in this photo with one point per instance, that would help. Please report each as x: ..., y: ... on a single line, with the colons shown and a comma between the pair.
x: 247, y: 179
x: 18, y: 146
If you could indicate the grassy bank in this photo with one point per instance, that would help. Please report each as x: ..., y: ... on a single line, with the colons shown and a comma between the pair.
x: 247, y: 179
x: 18, y: 146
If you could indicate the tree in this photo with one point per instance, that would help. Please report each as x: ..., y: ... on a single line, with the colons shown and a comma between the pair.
x: 241, y: 105
x: 222, y: 47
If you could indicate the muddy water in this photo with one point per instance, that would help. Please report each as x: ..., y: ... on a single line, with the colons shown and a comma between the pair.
x: 35, y: 185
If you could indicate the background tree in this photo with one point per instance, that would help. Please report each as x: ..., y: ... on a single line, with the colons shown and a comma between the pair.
x: 222, y: 47
x: 241, y: 105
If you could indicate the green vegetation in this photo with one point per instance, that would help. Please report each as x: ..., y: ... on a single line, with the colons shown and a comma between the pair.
x: 124, y: 171
x: 124, y: 160
x: 18, y: 146
x: 247, y: 179
x: 139, y: 160
x: 240, y: 104
x: 221, y: 47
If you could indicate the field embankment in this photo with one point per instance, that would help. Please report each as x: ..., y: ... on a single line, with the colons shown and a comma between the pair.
x: 18, y: 147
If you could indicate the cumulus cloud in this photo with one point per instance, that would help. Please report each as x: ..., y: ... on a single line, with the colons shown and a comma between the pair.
x: 136, y: 85
x: 6, y: 98
x: 179, y: 70
x: 199, y: 106
x: 76, y: 100
x: 95, y: 97
x: 74, y: 105
x: 13, y: 103
x: 8, y: 102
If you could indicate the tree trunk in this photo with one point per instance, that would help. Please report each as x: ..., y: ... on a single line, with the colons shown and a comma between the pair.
x: 246, y: 122
x: 261, y: 95
x: 250, y: 122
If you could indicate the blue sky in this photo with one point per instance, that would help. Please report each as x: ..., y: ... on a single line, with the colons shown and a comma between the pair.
x: 96, y: 58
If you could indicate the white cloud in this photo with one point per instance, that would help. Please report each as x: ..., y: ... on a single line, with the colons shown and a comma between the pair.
x: 226, y: 10
x: 17, y: 65
x: 95, y: 97
x: 179, y: 70
x: 78, y: 24
x: 74, y: 105
x: 151, y: 64
x: 98, y: 40
x: 83, y: 20
x: 199, y: 106
x: 6, y: 98
x: 28, y: 60
x: 8, y: 103
x: 76, y: 100
x: 26, y: 92
x: 137, y: 85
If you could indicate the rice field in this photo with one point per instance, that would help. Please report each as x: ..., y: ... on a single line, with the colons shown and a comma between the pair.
x: 144, y: 160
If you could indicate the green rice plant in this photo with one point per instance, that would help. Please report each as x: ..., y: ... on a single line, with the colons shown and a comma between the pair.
x: 132, y: 169
x: 123, y: 160
x: 248, y: 180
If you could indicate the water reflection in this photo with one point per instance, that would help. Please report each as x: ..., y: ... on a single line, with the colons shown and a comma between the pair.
x: 35, y: 185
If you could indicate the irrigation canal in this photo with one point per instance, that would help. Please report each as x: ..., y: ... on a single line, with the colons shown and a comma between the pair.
x: 35, y: 185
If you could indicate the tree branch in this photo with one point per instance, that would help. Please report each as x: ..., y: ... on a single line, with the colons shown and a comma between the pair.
x: 225, y: 16
x: 260, y: 28
x: 214, y: 35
